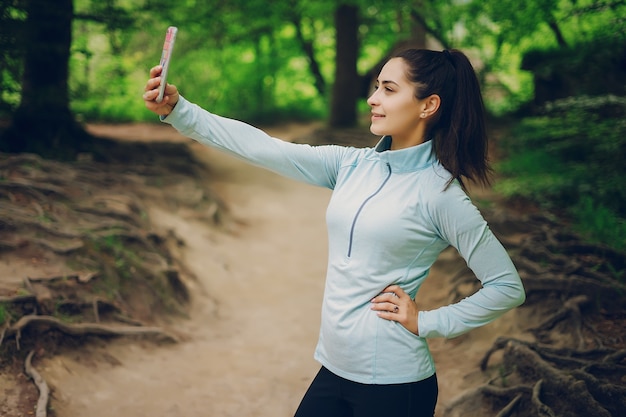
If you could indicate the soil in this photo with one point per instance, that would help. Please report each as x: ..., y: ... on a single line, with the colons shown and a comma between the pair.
x: 246, y: 344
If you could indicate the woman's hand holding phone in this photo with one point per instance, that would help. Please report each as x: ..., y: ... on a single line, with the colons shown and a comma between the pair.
x: 170, y: 96
x: 161, y: 97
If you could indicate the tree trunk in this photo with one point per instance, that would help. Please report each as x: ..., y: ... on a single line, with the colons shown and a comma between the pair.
x: 307, y: 48
x: 345, y: 93
x: 43, y: 122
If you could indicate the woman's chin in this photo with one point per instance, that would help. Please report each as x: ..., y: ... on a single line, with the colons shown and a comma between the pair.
x: 376, y: 131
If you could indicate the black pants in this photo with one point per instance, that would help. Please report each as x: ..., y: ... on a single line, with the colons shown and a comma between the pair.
x: 332, y: 396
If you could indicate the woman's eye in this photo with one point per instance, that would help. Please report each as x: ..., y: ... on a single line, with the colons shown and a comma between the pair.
x: 386, y: 89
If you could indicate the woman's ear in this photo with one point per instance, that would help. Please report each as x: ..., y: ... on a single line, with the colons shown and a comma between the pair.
x: 430, y: 105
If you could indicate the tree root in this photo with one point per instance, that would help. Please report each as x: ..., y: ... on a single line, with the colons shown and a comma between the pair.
x: 576, y: 383
x: 92, y: 217
x: 510, y: 407
x: 80, y: 277
x: 529, y: 363
x: 473, y: 399
x: 85, y: 329
x: 464, y: 283
x: 571, y: 310
x: 18, y: 299
x: 574, y: 285
x: 40, y: 383
x: 36, y: 189
x: 569, y: 371
x: 541, y: 408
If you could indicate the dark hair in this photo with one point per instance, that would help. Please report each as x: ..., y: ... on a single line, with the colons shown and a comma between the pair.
x: 458, y: 128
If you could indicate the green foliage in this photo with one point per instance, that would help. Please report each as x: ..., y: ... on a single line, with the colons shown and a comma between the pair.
x: 236, y: 58
x: 599, y: 223
x: 12, y: 17
x: 3, y: 313
x: 244, y: 58
x: 500, y: 32
x: 572, y: 158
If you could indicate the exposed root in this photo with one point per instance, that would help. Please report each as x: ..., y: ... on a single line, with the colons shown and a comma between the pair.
x: 542, y: 409
x: 3, y: 332
x: 85, y: 329
x: 569, y: 371
x: 560, y: 383
x: 40, y: 383
x: 80, y: 277
x: 573, y: 286
x: 474, y: 400
x: 18, y: 299
x: 571, y: 310
x: 576, y: 383
x: 464, y: 283
x: 88, y: 224
x: 510, y: 407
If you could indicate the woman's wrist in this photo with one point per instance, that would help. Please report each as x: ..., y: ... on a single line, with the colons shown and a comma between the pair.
x: 171, y: 107
x: 417, y: 323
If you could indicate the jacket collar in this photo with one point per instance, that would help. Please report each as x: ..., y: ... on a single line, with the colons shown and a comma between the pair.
x: 409, y: 159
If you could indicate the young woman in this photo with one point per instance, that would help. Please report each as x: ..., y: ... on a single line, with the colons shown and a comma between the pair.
x: 393, y: 209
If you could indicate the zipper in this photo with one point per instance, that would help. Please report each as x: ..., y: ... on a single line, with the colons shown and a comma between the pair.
x: 356, y: 216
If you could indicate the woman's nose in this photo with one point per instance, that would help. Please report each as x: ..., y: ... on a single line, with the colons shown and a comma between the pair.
x: 372, y: 99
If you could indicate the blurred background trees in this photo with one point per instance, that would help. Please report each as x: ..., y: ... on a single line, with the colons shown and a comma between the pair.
x: 555, y: 68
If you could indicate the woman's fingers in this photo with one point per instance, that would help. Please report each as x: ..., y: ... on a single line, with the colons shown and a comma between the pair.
x: 396, y: 305
x: 396, y: 290
x: 385, y: 307
x: 153, y: 84
x: 150, y: 95
x: 163, y: 108
x: 155, y: 71
x: 386, y: 303
x: 151, y: 92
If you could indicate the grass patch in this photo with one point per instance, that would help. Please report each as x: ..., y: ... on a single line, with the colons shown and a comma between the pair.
x: 599, y: 224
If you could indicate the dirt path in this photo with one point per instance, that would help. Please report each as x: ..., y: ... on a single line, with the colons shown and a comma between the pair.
x: 254, y: 320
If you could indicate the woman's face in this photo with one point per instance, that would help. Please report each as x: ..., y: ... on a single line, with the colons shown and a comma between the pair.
x: 395, y: 109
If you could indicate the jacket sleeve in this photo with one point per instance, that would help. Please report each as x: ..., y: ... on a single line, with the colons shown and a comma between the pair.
x: 460, y: 223
x: 316, y: 165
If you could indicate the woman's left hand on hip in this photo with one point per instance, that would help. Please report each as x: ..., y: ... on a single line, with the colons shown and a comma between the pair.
x: 396, y: 305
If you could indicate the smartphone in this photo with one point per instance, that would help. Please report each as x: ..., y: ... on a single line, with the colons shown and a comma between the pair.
x: 166, y: 55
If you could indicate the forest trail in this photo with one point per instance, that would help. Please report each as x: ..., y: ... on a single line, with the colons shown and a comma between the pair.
x: 248, y: 342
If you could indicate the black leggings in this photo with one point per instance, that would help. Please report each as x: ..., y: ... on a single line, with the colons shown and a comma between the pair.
x: 332, y: 396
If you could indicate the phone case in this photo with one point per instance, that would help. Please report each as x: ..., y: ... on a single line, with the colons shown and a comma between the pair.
x: 168, y: 47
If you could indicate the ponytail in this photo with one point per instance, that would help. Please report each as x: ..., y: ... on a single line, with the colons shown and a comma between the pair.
x: 457, y: 129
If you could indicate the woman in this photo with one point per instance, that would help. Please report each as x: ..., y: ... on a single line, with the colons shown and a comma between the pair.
x: 394, y: 208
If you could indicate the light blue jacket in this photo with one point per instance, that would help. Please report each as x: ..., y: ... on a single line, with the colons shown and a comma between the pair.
x: 389, y: 217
